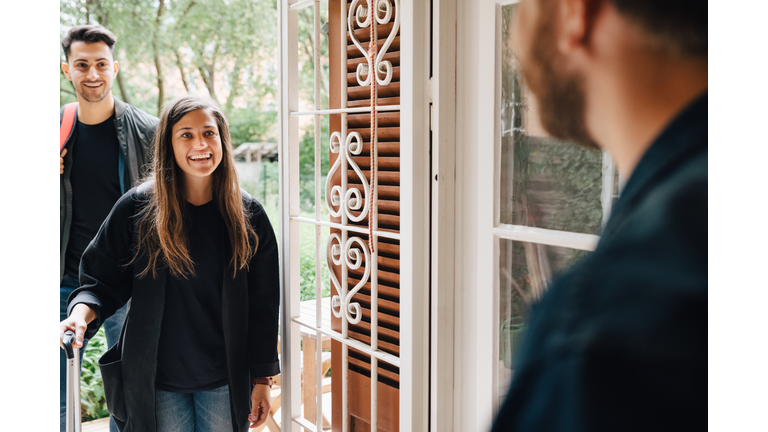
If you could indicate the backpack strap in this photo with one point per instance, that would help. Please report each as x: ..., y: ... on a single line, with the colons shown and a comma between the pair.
x: 67, y: 124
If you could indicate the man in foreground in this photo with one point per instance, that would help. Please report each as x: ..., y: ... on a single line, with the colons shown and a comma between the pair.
x: 102, y: 158
x: 619, y: 342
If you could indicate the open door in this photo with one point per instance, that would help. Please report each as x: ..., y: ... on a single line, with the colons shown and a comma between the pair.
x: 368, y: 221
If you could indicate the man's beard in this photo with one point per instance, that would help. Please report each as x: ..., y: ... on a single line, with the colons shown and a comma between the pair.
x: 88, y: 97
x: 560, y: 93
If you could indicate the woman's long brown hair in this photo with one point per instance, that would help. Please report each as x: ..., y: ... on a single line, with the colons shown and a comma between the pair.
x: 163, y: 223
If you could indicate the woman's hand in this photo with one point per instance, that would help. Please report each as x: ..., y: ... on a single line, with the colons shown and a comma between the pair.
x: 261, y: 403
x: 78, y: 322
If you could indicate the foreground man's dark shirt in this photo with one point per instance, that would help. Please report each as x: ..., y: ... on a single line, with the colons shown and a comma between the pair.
x: 619, y: 342
x: 95, y: 186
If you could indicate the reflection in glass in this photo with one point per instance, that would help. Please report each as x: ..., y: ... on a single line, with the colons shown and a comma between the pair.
x: 526, y: 270
x: 544, y: 182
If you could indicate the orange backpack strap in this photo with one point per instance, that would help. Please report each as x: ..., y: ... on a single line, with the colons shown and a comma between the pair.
x: 67, y: 124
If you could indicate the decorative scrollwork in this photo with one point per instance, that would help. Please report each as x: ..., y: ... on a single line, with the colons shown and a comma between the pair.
x: 353, y: 259
x: 352, y: 200
x: 358, y: 14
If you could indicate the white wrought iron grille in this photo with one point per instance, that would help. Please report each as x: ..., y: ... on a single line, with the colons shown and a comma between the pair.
x: 349, y: 204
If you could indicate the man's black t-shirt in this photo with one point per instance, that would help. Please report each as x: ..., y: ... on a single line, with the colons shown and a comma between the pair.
x: 95, y: 186
x: 191, y: 354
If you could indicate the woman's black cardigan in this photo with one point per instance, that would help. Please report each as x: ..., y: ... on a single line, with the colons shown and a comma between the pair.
x: 250, y: 306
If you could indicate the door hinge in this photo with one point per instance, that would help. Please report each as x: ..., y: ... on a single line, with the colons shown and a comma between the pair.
x: 431, y: 116
x: 429, y: 100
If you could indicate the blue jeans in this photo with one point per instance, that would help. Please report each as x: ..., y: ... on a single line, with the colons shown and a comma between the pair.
x: 207, y: 411
x: 112, y: 328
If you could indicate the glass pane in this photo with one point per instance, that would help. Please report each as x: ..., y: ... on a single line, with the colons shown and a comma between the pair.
x: 259, y: 176
x: 526, y: 270
x: 307, y: 167
x: 307, y: 274
x: 306, y: 54
x: 544, y: 182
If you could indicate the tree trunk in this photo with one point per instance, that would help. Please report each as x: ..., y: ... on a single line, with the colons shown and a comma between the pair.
x: 179, y: 63
x: 181, y: 70
x: 234, y: 79
x: 123, y: 92
x: 308, y: 44
x: 207, y: 69
x: 158, y: 65
x: 208, y: 80
x: 160, y: 86
x: 99, y: 10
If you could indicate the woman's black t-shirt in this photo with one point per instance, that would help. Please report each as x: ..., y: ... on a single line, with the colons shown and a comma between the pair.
x: 191, y: 354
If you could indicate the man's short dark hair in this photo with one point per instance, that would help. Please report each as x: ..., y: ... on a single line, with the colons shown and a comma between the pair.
x: 680, y: 25
x: 88, y: 34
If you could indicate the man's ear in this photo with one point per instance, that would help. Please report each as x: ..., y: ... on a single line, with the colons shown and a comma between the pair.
x: 576, y: 23
x: 116, y: 65
x: 65, y: 69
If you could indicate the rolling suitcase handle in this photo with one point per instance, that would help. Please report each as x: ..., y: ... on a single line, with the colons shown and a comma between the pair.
x: 74, y: 422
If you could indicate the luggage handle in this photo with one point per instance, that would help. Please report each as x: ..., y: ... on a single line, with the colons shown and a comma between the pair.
x: 67, y: 340
x: 74, y: 421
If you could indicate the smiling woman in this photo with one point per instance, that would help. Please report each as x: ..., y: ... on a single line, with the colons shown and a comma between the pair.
x: 205, y: 305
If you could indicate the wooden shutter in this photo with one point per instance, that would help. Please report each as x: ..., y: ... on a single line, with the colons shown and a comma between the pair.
x: 389, y: 220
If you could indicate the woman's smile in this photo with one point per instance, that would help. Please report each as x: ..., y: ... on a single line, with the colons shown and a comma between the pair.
x: 201, y: 156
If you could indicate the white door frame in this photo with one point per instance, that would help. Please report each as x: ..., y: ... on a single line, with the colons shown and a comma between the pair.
x: 477, y: 134
x: 443, y: 212
x: 414, y: 216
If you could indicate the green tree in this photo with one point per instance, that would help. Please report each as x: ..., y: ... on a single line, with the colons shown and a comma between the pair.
x: 226, y: 50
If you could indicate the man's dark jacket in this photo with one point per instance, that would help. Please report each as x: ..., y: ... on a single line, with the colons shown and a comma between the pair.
x: 619, y: 343
x: 135, y: 130
x: 250, y: 305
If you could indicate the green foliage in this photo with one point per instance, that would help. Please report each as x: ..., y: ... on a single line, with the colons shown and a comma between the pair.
x: 249, y: 125
x: 307, y: 270
x: 261, y: 181
x: 92, y: 399
x: 307, y: 166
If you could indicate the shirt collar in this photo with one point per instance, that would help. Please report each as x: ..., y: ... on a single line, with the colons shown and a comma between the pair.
x: 686, y: 133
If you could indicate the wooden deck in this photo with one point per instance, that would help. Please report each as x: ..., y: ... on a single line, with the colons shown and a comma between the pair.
x: 100, y: 425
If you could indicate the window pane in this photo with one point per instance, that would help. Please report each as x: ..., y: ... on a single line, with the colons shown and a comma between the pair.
x: 261, y: 180
x: 526, y: 270
x: 544, y: 182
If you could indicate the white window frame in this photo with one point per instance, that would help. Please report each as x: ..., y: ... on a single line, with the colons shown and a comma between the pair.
x: 478, y: 228
x: 414, y: 219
